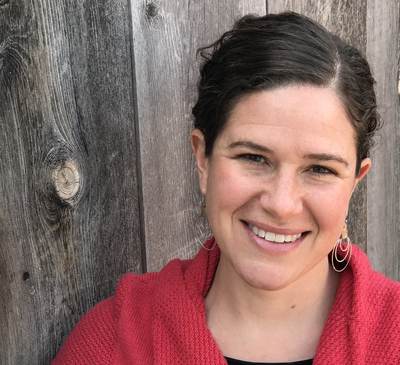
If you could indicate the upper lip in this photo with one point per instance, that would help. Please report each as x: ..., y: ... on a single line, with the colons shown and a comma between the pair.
x: 276, y: 230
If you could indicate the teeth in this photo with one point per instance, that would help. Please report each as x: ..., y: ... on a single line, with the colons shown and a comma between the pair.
x: 288, y: 238
x: 261, y: 233
x: 272, y: 237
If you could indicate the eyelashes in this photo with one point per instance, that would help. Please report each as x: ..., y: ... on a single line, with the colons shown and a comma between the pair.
x: 258, y: 160
x: 253, y: 159
x: 321, y: 170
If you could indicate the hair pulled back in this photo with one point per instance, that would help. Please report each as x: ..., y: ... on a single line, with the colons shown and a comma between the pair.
x: 277, y: 50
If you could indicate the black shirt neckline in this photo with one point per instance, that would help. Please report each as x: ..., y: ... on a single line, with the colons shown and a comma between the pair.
x: 231, y: 361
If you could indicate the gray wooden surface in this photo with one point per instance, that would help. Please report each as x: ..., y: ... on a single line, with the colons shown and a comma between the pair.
x: 67, y: 120
x: 97, y: 176
x: 383, y: 192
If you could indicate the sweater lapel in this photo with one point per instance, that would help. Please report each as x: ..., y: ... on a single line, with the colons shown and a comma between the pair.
x: 180, y: 331
x: 345, y: 334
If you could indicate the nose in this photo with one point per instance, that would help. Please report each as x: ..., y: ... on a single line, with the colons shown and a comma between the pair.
x: 282, y: 197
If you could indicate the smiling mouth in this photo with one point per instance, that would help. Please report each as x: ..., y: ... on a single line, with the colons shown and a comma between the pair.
x: 274, y: 237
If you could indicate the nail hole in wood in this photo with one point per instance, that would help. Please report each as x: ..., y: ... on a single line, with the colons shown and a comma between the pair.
x: 152, y: 10
x: 25, y: 276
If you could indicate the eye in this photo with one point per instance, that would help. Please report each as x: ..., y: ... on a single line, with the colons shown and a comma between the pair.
x: 321, y: 170
x: 255, y: 159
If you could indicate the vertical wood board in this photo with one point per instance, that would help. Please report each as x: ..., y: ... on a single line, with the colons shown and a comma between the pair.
x: 67, y: 111
x: 383, y: 183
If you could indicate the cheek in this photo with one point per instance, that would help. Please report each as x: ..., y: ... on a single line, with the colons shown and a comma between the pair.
x: 329, y: 207
x: 228, y: 188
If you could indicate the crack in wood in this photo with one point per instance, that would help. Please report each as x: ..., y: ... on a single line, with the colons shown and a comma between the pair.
x: 398, y: 86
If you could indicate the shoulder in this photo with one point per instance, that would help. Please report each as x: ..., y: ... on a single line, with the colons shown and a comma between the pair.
x: 383, y: 317
x: 384, y: 292
x: 139, y: 291
x: 364, y: 321
x: 376, y: 310
x: 93, y: 338
x: 374, y: 288
x: 96, y: 339
x: 379, y: 287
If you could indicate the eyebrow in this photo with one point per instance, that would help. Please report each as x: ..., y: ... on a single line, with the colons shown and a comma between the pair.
x: 326, y: 157
x: 251, y: 145
x: 311, y: 156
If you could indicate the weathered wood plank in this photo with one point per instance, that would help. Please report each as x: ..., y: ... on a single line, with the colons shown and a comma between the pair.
x: 166, y: 36
x: 66, y: 112
x: 347, y: 19
x: 383, y: 51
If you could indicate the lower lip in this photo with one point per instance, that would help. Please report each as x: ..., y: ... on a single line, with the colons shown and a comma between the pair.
x: 272, y: 247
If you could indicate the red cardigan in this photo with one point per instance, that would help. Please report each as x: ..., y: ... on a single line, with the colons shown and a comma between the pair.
x: 159, y: 318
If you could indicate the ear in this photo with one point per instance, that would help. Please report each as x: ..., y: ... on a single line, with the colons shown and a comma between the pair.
x: 364, y: 168
x: 199, y: 150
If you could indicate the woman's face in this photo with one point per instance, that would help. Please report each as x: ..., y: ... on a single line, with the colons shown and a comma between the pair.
x: 284, y: 163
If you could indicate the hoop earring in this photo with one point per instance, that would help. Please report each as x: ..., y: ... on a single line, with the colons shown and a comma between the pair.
x: 209, y: 249
x: 347, y: 250
x: 203, y: 213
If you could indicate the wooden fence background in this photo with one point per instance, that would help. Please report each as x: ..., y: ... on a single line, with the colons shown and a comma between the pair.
x: 97, y: 176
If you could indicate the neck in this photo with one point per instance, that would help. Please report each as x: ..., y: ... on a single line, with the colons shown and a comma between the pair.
x: 236, y: 309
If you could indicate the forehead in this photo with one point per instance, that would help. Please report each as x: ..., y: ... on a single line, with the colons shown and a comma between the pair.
x: 305, y: 116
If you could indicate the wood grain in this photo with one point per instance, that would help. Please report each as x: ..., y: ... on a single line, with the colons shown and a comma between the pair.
x: 67, y: 117
x: 383, y: 183
x: 166, y: 36
x: 347, y: 19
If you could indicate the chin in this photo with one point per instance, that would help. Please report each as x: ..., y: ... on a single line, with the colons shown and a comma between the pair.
x: 268, y: 280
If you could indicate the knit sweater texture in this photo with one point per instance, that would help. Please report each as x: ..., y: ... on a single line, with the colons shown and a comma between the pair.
x: 160, y: 318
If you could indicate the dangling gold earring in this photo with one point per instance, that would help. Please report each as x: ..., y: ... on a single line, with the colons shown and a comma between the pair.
x: 344, y: 238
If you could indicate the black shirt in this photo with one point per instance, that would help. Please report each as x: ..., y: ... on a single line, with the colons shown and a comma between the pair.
x: 240, y: 362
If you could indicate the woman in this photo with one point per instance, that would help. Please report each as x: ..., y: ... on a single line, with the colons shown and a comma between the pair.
x: 283, y: 127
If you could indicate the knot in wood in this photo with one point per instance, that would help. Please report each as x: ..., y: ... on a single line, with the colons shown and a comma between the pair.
x: 66, y: 180
x: 152, y: 10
